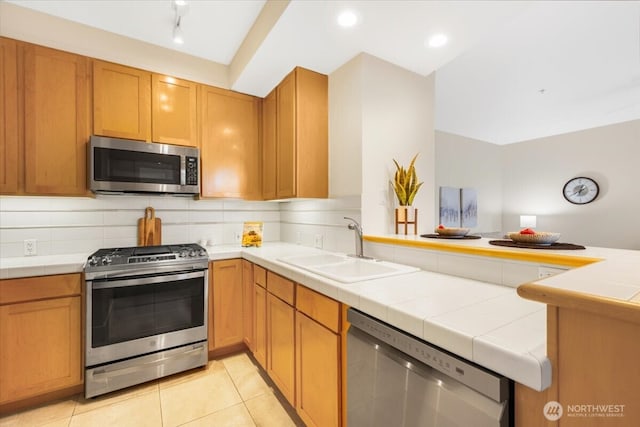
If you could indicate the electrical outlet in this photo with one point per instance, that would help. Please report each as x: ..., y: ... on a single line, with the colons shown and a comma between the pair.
x: 30, y: 247
x: 318, y: 241
x: 544, y: 271
x: 237, y: 237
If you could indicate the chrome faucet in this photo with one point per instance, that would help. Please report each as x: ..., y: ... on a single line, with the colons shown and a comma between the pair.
x: 355, y: 226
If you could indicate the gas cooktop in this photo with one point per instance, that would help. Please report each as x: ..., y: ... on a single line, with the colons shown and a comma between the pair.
x: 145, y: 255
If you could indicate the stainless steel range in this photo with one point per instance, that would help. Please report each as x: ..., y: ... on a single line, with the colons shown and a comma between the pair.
x: 146, y: 314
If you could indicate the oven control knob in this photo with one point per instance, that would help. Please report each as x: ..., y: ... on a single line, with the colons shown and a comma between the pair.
x: 183, y: 253
x: 192, y: 253
x: 106, y: 260
x: 93, y: 261
x: 202, y: 252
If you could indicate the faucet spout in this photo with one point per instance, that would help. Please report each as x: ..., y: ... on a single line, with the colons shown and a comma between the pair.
x: 355, y: 226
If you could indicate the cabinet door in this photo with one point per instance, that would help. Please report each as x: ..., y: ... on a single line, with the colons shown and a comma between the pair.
x: 260, y: 348
x: 227, y: 303
x: 9, y: 150
x: 269, y: 146
x: 230, y: 144
x: 121, y: 101
x: 312, y: 127
x: 40, y: 347
x: 174, y: 111
x: 286, y: 135
x: 317, y: 373
x: 56, y: 121
x: 248, y: 309
x: 280, y: 345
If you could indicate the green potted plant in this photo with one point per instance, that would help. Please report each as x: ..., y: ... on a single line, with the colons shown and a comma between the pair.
x: 406, y: 186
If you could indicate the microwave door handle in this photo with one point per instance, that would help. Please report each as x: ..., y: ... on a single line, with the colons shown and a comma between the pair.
x: 106, y: 284
x: 183, y: 170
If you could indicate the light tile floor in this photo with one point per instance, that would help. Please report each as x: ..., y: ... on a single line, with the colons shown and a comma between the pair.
x: 228, y: 392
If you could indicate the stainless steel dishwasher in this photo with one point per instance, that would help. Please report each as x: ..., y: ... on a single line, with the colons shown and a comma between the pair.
x: 395, y: 379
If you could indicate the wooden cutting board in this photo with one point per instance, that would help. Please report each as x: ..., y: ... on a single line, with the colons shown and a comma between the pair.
x: 149, y: 229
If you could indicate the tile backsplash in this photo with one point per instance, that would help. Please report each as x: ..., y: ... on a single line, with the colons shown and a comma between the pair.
x: 63, y: 225
x: 320, y: 222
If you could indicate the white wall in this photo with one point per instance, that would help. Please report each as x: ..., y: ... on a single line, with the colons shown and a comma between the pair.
x: 464, y: 162
x: 397, y: 124
x: 532, y: 174
x: 345, y: 129
x: 535, y: 172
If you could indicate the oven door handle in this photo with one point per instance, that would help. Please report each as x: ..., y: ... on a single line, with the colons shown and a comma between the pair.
x: 106, y: 284
x: 159, y: 269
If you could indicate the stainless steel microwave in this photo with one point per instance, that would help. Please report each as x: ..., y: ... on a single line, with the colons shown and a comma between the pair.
x: 125, y: 166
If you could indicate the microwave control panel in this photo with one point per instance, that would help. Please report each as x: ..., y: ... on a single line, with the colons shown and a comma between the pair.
x: 192, y: 170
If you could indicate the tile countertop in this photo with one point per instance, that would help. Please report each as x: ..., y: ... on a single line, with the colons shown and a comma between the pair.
x: 604, y: 272
x: 488, y: 324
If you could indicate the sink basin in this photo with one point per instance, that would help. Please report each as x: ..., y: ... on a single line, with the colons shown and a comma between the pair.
x: 346, y: 269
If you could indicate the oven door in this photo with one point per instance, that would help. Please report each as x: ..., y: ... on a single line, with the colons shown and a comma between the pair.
x: 133, y: 316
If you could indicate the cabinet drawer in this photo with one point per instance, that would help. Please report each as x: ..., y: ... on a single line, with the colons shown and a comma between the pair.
x: 41, y: 287
x: 320, y: 308
x: 260, y: 276
x: 281, y: 287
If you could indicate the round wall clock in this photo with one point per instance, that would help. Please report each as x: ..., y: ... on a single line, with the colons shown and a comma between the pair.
x: 581, y: 190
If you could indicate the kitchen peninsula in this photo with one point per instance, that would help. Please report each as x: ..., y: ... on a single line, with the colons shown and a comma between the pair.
x: 547, y: 351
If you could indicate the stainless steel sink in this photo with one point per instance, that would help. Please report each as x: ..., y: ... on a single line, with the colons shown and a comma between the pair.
x: 347, y: 269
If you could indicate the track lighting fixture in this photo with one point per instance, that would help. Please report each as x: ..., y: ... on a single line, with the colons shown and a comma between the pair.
x: 180, y: 8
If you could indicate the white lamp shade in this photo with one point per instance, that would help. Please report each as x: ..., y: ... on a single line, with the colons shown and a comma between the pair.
x: 528, y: 221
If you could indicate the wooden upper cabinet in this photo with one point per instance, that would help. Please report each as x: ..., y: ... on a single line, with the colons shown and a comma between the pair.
x: 9, y: 148
x: 286, y: 134
x: 174, y: 111
x: 229, y: 143
x: 121, y: 101
x: 302, y: 164
x: 269, y: 146
x: 56, y: 121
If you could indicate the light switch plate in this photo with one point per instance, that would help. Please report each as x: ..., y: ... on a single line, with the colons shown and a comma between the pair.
x: 318, y: 241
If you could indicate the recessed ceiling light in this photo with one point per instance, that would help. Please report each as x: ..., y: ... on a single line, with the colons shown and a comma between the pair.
x: 437, y: 40
x: 347, y: 18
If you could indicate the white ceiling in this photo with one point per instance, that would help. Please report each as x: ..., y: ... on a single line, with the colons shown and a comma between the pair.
x: 586, y: 55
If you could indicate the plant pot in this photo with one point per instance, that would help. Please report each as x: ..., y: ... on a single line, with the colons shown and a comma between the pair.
x: 406, y: 215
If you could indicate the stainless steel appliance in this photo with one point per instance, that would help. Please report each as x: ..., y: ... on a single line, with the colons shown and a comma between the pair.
x: 146, y: 314
x: 126, y: 166
x: 395, y: 379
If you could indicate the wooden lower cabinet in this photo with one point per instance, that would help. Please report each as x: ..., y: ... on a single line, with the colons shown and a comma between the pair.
x: 260, y: 347
x: 225, y: 304
x: 40, y: 336
x: 317, y: 373
x: 248, y: 305
x: 281, y: 345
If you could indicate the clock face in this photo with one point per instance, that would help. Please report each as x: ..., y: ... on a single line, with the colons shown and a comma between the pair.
x: 581, y: 190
